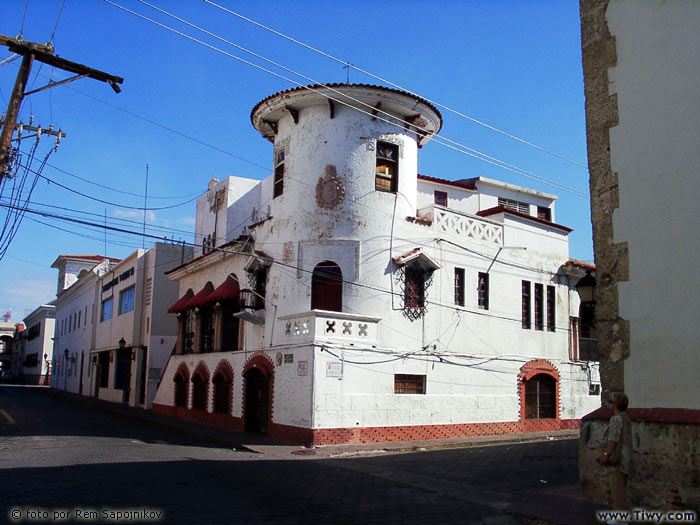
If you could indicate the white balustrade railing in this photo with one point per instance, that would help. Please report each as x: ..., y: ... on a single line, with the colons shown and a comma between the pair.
x: 463, y: 225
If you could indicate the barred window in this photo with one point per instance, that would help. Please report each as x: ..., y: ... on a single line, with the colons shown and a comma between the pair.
x: 279, y: 174
x: 483, y: 291
x: 409, y: 384
x: 551, y: 305
x: 540, y: 397
x: 526, y: 305
x: 539, y: 306
x: 459, y: 286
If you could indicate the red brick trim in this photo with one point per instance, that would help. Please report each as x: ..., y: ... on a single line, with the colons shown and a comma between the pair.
x: 338, y: 436
x: 203, y: 370
x: 652, y: 415
x: 335, y: 436
x: 261, y: 361
x: 530, y: 370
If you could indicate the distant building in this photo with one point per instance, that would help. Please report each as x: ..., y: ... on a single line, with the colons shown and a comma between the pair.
x: 134, y: 336
x: 8, y: 333
x: 641, y: 78
x: 37, y: 351
x: 76, y: 307
x: 347, y: 298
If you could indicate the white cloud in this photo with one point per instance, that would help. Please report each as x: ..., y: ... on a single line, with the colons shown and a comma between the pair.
x: 136, y: 215
x: 188, y: 220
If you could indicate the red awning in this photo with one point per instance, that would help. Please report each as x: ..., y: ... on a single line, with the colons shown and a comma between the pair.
x: 228, y: 290
x: 202, y: 296
x: 181, y: 304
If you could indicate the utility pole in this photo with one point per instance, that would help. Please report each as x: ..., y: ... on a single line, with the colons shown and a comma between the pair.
x: 30, y: 52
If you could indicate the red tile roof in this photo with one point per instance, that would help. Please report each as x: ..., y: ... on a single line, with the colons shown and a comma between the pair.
x: 503, y: 209
x: 91, y: 257
x: 580, y: 264
x: 457, y: 183
x: 335, y: 85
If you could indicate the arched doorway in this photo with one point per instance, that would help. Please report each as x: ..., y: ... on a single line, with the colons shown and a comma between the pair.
x: 257, y: 401
x: 327, y: 287
x: 180, y: 390
x: 222, y: 393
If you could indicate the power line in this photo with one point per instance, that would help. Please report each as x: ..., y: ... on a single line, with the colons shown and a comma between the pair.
x: 348, y: 65
x: 67, y: 188
x: 461, y: 148
x: 482, y: 313
x: 477, y: 154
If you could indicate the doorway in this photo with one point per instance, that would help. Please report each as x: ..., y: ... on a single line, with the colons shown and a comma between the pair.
x: 257, y: 401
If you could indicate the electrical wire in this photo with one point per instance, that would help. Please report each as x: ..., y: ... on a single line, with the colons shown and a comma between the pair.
x: 396, y: 86
x: 118, y: 205
x: 466, y: 150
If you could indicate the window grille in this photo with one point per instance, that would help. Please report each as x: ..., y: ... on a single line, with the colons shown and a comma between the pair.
x: 483, y: 291
x: 409, y: 384
x: 539, y: 307
x: 526, y: 305
x: 459, y: 286
x: 551, y: 309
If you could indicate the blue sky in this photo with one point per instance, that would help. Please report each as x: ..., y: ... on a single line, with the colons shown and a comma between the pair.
x: 513, y: 65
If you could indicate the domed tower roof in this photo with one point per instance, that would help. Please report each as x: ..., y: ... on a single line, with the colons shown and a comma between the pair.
x: 410, y: 111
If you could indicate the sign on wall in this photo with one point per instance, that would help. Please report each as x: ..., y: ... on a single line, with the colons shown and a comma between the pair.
x: 334, y: 369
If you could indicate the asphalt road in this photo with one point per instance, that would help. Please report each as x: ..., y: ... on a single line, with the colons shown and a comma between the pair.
x: 59, y: 458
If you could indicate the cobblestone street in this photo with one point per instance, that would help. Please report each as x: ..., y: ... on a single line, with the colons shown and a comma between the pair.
x: 55, y: 454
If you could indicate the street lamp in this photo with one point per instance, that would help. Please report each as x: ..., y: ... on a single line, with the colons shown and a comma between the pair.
x: 586, y: 288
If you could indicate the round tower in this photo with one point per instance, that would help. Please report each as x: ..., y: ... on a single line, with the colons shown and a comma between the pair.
x: 342, y: 154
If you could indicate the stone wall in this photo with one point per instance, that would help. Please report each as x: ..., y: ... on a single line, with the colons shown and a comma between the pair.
x: 666, y: 448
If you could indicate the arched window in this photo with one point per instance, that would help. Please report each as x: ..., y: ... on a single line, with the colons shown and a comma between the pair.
x: 199, y: 392
x: 180, y: 391
x: 327, y: 287
x: 222, y: 394
x: 540, y: 397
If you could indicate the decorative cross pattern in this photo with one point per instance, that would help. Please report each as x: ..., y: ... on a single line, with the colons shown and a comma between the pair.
x: 288, y: 329
x: 330, y: 327
x: 305, y: 326
x: 363, y: 329
x: 347, y: 328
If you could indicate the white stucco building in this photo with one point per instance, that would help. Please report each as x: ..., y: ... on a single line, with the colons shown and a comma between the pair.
x: 37, y: 349
x: 641, y: 78
x: 347, y: 298
x: 75, y: 318
x: 134, y: 336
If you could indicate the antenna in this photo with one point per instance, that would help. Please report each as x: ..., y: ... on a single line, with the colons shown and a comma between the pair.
x: 145, y: 205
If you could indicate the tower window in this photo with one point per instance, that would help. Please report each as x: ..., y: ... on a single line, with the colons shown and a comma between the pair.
x: 387, y: 170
